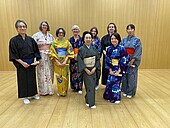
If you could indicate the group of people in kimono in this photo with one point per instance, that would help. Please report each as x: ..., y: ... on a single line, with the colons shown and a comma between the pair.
x: 79, y: 55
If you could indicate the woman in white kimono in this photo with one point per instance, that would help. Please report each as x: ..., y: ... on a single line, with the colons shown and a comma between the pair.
x: 45, y: 68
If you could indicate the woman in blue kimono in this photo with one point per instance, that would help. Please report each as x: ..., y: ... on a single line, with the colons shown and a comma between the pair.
x: 76, y: 42
x: 96, y: 42
x: 116, y: 62
x: 134, y: 49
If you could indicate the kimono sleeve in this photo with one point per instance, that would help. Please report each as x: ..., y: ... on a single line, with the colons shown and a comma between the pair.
x: 36, y: 50
x: 53, y: 53
x: 108, y: 62
x: 97, y: 65
x: 138, y: 50
x: 80, y: 63
x: 124, y: 60
x: 13, y: 51
x: 70, y: 52
x: 99, y: 45
x: 102, y: 46
x: 35, y: 37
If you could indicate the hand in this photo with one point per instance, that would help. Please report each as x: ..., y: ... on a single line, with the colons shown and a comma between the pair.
x: 104, y: 52
x: 35, y: 63
x: 131, y: 62
x: 117, y: 73
x: 58, y: 63
x: 64, y: 63
x: 25, y: 65
x: 75, y: 56
x: 111, y: 72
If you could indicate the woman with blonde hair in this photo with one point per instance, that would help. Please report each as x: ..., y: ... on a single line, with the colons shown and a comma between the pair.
x: 76, y: 42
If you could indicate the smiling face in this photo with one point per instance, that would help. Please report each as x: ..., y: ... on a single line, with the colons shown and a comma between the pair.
x: 21, y: 28
x: 60, y: 34
x: 114, y: 41
x: 44, y: 27
x: 75, y: 32
x: 94, y: 32
x: 87, y: 39
x: 111, y: 28
x: 130, y: 31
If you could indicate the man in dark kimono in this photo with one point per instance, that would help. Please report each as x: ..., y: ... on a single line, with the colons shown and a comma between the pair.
x: 88, y: 66
x: 24, y: 53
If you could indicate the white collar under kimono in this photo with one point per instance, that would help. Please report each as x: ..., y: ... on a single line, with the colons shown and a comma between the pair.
x: 88, y: 46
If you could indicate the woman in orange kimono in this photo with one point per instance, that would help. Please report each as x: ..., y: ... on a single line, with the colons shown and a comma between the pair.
x: 61, y: 51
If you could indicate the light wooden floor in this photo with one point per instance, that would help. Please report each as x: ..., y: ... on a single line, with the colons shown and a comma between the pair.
x: 149, y: 109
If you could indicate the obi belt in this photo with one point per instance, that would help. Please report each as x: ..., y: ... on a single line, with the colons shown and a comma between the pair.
x: 90, y: 61
x: 61, y: 51
x: 75, y: 50
x: 130, y: 51
x: 115, y: 62
x: 28, y: 61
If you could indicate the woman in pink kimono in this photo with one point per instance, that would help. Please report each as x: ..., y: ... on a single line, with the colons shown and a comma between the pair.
x: 45, y: 68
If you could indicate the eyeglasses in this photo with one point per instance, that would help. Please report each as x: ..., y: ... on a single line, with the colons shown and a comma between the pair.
x: 22, y: 26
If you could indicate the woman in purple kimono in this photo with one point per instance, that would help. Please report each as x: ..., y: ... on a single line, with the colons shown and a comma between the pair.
x: 134, y: 49
x: 116, y: 62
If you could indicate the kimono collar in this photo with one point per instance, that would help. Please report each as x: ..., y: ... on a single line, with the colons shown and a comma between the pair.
x: 43, y: 33
x: 77, y: 38
x: 61, y: 39
x: 21, y: 36
x: 114, y: 46
x: 131, y: 36
x: 87, y: 46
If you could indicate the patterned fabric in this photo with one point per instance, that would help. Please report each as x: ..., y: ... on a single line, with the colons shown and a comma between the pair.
x: 112, y: 91
x: 76, y: 84
x: 129, y: 82
x: 61, y: 72
x: 96, y: 42
x: 45, y: 69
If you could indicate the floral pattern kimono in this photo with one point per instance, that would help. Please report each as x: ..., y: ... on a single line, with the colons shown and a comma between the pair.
x: 76, y: 84
x: 45, y: 70
x: 116, y: 58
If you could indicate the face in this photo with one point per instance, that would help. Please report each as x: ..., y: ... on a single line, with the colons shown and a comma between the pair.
x: 21, y: 28
x: 75, y: 32
x: 114, y: 41
x: 130, y: 31
x: 111, y: 28
x: 94, y: 32
x: 87, y: 39
x: 60, y: 34
x: 44, y: 26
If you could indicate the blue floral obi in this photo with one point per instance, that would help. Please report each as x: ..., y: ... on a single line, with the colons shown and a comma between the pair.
x: 61, y: 51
